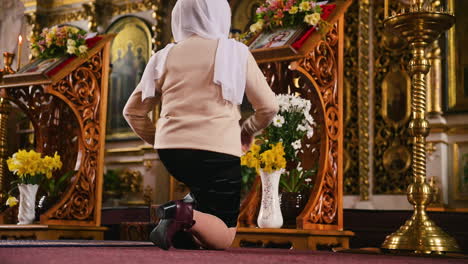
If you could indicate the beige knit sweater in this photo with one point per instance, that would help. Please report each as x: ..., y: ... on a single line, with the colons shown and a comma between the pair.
x: 194, y: 114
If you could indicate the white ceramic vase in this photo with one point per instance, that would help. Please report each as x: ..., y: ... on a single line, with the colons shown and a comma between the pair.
x: 270, y: 212
x: 27, y: 203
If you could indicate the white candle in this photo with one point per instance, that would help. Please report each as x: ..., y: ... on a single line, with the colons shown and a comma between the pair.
x: 20, y: 44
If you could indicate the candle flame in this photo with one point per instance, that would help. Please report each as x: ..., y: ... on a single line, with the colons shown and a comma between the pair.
x: 20, y: 39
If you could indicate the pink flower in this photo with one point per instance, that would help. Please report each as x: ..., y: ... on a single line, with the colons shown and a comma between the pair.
x: 274, y: 4
x: 261, y: 9
x: 279, y: 14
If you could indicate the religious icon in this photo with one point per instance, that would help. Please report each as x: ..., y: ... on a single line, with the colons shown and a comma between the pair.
x: 130, y: 51
x: 457, y: 61
x: 41, y: 65
x: 460, y: 170
x: 38, y: 69
x: 396, y: 104
x: 396, y: 159
x: 276, y: 38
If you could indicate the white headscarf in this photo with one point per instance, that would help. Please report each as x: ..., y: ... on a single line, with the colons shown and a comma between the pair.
x: 210, y: 19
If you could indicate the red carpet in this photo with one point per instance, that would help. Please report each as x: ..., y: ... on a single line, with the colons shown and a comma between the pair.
x: 142, y: 255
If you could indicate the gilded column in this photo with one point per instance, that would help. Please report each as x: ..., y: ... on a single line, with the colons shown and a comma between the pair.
x: 91, y: 16
x: 434, y: 80
x: 156, y: 27
x: 434, y: 77
x: 5, y: 109
x: 363, y: 99
x: 33, y: 21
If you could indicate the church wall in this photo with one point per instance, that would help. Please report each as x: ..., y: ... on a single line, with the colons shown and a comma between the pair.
x: 448, y: 129
x: 120, y: 153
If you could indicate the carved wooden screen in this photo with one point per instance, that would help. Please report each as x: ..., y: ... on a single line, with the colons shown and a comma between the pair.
x: 318, y: 77
x: 69, y: 116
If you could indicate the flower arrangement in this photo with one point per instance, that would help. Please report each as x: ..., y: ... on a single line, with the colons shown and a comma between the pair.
x: 291, y: 125
x: 284, y: 136
x: 31, y: 168
x: 269, y: 160
x: 279, y: 13
x: 59, y: 41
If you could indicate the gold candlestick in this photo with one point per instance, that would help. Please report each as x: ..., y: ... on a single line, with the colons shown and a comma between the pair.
x: 386, y: 8
x: 7, y: 61
x: 420, y: 27
x: 20, y: 45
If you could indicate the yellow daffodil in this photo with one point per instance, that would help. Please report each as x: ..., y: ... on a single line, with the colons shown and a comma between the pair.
x: 293, y: 10
x: 30, y: 163
x: 12, y: 201
x: 304, y: 6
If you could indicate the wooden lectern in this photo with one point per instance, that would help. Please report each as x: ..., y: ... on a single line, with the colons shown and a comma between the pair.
x: 315, y: 72
x: 67, y: 105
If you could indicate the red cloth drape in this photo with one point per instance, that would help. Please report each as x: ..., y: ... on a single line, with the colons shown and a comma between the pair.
x: 89, y: 42
x: 326, y: 11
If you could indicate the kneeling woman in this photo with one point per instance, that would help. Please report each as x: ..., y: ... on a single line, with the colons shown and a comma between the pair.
x: 200, y: 82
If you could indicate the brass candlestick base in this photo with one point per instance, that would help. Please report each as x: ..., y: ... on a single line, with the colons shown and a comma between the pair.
x: 421, y: 26
x: 420, y: 234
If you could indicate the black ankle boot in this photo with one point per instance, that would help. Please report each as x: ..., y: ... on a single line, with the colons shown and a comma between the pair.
x: 183, y: 239
x: 190, y: 198
x: 176, y: 216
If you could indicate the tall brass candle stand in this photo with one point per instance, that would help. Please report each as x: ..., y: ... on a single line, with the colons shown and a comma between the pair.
x: 420, y: 26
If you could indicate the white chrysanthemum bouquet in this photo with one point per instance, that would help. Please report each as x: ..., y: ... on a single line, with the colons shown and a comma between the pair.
x: 292, y: 125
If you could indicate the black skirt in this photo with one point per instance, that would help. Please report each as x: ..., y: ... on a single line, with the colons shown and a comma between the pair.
x: 213, y: 178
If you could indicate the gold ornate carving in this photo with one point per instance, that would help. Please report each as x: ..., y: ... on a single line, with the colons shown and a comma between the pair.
x: 92, y: 10
x: 315, y: 78
x: 91, y: 15
x: 67, y: 119
x: 32, y: 20
x: 156, y: 27
x: 132, y: 7
x: 351, y: 130
x: 63, y: 18
x: 321, y: 69
x: 5, y: 109
x: 131, y: 181
x: 457, y: 97
x: 434, y: 80
x: 244, y: 14
x: 392, y: 143
x: 363, y: 99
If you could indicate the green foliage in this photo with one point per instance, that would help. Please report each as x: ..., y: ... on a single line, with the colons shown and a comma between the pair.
x: 297, y: 180
x: 287, y: 133
x: 54, y: 187
x: 248, y: 177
